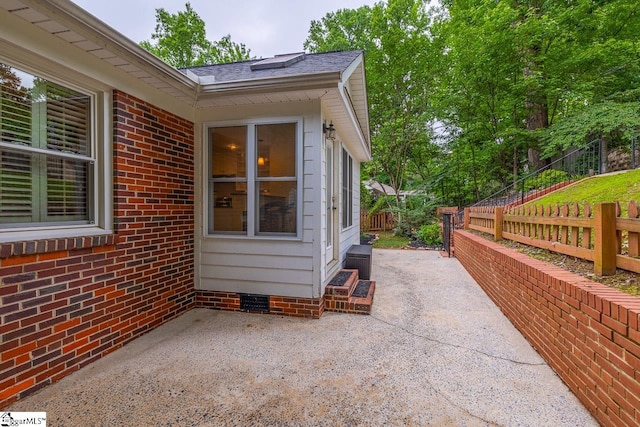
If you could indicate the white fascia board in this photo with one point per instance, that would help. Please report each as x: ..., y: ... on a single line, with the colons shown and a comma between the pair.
x: 346, y: 75
x: 269, y: 85
x: 76, y: 19
x: 363, y: 140
x: 365, y: 113
x: 347, y: 72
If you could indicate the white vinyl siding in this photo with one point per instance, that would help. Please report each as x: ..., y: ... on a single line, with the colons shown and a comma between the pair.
x: 267, y: 263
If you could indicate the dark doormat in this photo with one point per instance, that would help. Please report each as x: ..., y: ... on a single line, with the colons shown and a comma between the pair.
x: 340, y: 278
x: 362, y: 289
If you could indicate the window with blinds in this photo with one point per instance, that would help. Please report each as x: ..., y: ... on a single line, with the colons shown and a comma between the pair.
x: 46, y: 162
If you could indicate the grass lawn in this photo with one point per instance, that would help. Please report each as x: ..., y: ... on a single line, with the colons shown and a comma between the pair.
x: 388, y: 240
x: 616, y: 187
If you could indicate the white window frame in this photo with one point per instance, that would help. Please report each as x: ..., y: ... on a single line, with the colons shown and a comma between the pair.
x: 252, y: 179
x: 101, y: 193
x: 346, y: 218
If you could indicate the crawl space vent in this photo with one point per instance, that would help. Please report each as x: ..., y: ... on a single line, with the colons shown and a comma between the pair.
x: 251, y: 302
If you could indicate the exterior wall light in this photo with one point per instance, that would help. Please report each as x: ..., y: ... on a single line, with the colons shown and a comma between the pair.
x: 329, y: 131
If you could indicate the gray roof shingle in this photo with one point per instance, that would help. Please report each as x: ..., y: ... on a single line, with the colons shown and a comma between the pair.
x: 313, y: 63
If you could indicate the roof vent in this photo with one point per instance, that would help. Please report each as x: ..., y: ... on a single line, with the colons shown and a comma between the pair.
x: 278, y: 61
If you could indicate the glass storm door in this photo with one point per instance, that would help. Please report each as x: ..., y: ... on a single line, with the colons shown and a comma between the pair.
x: 331, y: 207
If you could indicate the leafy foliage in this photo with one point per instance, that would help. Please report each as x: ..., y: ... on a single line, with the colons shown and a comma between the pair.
x: 522, y: 81
x: 412, y: 214
x: 430, y: 234
x: 180, y: 40
x: 615, y: 121
x: 468, y: 96
x: 395, y: 37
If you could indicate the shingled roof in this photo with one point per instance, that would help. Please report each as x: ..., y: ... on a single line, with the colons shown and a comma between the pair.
x: 296, y: 64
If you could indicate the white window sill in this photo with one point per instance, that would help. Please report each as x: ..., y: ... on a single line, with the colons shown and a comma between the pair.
x: 15, y: 236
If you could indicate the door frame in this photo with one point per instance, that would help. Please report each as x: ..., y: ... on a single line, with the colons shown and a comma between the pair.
x: 331, y: 199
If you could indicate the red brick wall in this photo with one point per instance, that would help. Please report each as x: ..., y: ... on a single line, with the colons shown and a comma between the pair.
x: 68, y: 302
x: 588, y: 333
x: 285, y: 306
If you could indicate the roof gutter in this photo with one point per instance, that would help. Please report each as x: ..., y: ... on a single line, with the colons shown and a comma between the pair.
x: 77, y: 19
x: 272, y: 84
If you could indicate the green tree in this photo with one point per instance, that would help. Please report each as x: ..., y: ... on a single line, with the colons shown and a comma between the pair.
x: 522, y: 78
x: 180, y: 40
x: 395, y: 38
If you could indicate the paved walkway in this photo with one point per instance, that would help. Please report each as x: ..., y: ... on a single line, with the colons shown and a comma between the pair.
x: 435, y: 351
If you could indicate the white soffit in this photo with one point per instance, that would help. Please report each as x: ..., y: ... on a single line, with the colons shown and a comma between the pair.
x: 60, y: 21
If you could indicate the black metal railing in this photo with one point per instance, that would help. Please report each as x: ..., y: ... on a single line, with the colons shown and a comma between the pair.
x: 577, y: 164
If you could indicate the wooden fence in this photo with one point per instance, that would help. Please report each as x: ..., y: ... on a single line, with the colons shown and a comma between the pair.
x: 379, y: 221
x: 599, y: 235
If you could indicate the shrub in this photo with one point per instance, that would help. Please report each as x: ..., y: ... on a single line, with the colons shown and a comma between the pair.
x: 416, y: 211
x: 366, y: 200
x: 430, y: 234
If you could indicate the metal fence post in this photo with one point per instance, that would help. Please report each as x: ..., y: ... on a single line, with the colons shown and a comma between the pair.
x: 446, y: 232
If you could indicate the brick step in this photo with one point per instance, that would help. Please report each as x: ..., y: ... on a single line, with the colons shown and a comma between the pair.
x: 348, y: 294
x: 342, y: 283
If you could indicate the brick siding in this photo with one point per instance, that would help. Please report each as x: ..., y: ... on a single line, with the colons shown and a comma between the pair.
x: 68, y: 302
x: 588, y: 333
x: 285, y: 306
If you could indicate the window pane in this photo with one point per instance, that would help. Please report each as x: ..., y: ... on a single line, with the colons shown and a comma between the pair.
x: 67, y: 189
x: 15, y: 107
x: 347, y: 189
x: 276, y: 150
x: 16, y: 187
x: 229, y: 152
x: 277, y: 202
x: 67, y: 120
x: 229, y: 207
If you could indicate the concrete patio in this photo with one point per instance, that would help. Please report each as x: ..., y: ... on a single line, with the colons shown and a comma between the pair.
x: 434, y: 351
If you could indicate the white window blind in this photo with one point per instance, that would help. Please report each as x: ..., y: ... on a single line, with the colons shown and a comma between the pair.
x: 46, y: 163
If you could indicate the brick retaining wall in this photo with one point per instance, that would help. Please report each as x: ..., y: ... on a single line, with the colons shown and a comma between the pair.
x: 588, y: 333
x: 68, y: 302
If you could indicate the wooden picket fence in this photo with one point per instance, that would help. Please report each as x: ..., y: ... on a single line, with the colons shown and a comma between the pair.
x: 379, y: 221
x: 599, y: 235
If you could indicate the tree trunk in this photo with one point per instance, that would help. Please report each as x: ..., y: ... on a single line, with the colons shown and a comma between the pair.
x: 474, y: 174
x: 537, y: 115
